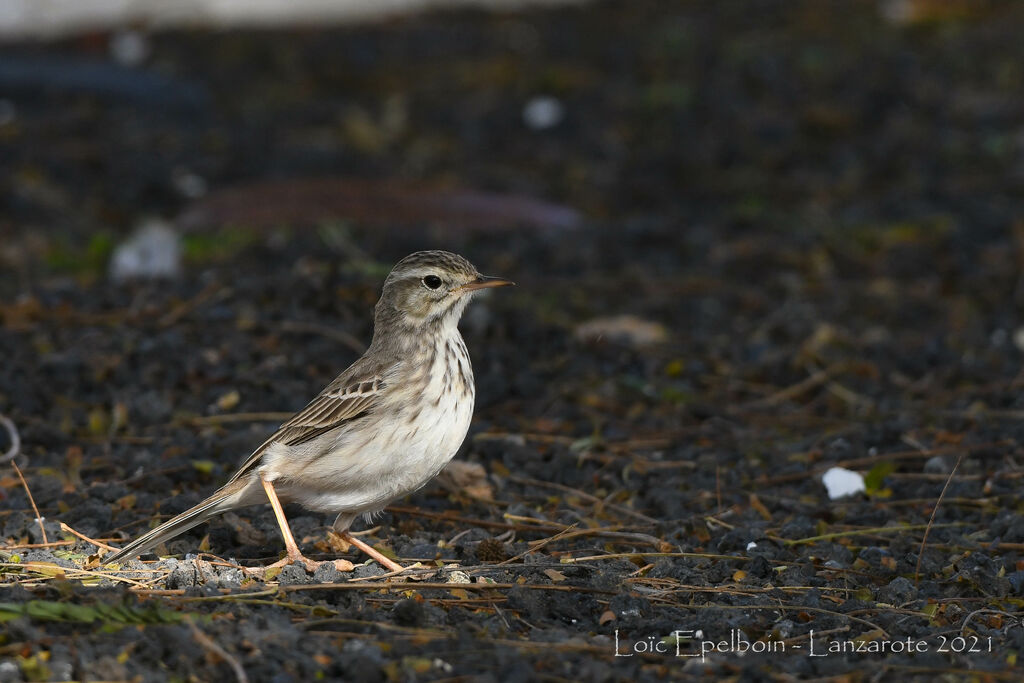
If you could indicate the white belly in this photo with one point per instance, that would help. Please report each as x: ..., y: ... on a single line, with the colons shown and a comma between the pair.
x: 386, y: 456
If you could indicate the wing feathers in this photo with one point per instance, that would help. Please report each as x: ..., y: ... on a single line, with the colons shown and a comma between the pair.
x: 344, y: 399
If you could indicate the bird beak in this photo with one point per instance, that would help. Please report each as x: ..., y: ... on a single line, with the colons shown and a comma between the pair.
x: 484, y: 282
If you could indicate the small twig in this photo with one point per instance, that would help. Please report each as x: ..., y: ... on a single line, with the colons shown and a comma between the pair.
x: 394, y: 586
x: 931, y: 520
x: 238, y: 417
x: 582, y: 494
x: 534, y: 547
x: 32, y: 546
x: 28, y: 492
x: 450, y: 542
x: 207, y: 293
x: 13, y: 452
x: 211, y: 645
x: 93, y: 541
x: 626, y: 556
x: 619, y: 536
x: 790, y: 608
x: 967, y: 619
x: 535, y: 523
x: 12, y: 433
x: 660, y: 586
x: 445, y: 517
x: 817, y: 379
x: 864, y: 532
x: 849, y: 396
x: 47, y: 572
x: 870, y: 460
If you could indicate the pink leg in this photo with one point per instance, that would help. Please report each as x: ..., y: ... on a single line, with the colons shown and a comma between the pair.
x: 372, y: 552
x: 291, y: 547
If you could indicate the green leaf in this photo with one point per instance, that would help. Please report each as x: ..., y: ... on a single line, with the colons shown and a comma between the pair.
x: 103, y: 614
x: 875, y: 477
x: 204, y: 466
x: 864, y: 594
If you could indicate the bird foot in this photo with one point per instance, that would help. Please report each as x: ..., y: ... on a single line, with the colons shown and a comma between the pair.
x: 381, y: 559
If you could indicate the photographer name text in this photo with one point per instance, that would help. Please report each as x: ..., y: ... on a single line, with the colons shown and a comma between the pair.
x: 694, y: 644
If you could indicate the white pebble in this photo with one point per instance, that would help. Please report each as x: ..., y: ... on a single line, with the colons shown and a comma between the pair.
x: 842, y: 482
x: 152, y: 252
x: 188, y: 184
x: 543, y: 112
x: 129, y: 48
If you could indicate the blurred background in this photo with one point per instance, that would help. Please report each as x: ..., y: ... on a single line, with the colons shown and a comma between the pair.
x: 751, y: 239
x: 679, y: 120
x: 703, y: 203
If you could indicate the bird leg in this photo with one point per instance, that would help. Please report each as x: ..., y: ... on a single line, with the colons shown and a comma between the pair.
x: 291, y: 547
x: 371, y: 551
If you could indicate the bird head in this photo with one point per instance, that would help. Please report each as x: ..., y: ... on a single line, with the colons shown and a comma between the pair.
x: 430, y: 287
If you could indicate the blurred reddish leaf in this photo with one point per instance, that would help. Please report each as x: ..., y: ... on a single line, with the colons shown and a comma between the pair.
x: 374, y: 202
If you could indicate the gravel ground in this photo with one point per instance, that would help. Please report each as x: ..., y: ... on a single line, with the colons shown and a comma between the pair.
x: 753, y: 242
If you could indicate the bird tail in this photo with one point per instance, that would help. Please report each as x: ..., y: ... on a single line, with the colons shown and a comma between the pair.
x: 223, y: 500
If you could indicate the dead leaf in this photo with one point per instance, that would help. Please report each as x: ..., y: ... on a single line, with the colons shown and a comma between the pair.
x: 555, y: 575
x: 126, y: 502
x: 623, y: 329
x: 229, y: 400
x: 46, y: 569
x: 336, y: 542
x: 21, y: 315
x: 467, y: 478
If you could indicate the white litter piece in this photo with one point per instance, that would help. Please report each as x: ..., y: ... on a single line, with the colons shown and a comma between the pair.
x: 841, y: 482
x: 152, y: 252
x: 543, y: 112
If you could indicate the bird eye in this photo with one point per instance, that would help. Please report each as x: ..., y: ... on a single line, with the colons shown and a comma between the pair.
x: 432, y: 281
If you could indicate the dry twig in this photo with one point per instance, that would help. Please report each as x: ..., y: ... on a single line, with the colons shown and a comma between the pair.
x: 212, y: 645
x: 10, y: 456
x: 931, y: 520
x: 93, y: 541
x: 12, y: 433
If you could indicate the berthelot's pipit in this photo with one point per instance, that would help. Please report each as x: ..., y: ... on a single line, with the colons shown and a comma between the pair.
x: 381, y: 429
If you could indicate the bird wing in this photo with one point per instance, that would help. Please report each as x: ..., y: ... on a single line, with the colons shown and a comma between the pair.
x: 348, y: 397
